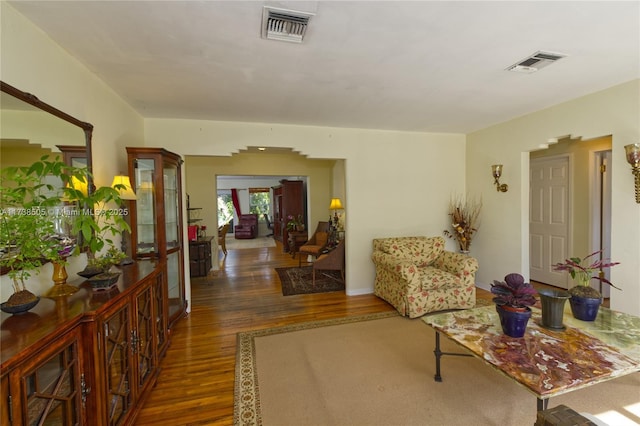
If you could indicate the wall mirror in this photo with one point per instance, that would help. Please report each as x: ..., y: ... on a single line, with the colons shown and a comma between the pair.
x: 30, y: 128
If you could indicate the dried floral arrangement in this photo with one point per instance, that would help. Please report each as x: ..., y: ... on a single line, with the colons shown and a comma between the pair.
x: 465, y: 220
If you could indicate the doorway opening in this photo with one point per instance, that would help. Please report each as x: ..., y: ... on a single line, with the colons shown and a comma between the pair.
x: 569, y: 206
x: 325, y: 179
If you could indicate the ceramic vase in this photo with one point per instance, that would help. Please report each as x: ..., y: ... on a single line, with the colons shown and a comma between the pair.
x: 513, y: 322
x: 553, y: 302
x: 585, y: 308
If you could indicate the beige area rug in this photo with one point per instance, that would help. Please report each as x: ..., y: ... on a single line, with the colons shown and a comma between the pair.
x: 378, y: 370
x: 258, y: 242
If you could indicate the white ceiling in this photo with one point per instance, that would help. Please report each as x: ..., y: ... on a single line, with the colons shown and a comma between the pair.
x: 415, y: 65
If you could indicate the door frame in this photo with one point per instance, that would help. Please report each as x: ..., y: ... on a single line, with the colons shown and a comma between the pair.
x: 596, y: 201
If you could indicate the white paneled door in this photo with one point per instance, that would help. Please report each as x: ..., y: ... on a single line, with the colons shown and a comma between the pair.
x: 549, y: 218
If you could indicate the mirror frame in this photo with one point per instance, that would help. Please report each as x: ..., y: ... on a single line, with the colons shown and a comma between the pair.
x: 34, y: 101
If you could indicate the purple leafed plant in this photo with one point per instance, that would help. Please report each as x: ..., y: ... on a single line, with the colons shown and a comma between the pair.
x: 575, y: 268
x: 513, y: 292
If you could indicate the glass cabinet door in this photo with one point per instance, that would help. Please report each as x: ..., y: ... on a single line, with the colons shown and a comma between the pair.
x: 158, y: 220
x: 147, y: 242
x: 51, y: 389
x: 171, y: 213
x: 174, y: 284
x: 117, y: 365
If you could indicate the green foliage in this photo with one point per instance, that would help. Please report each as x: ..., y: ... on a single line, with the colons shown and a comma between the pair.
x: 41, y: 203
x: 26, y: 226
x: 113, y: 256
x: 97, y: 221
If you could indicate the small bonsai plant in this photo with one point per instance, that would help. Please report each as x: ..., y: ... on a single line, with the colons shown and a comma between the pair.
x: 583, y: 274
x: 103, y: 263
x: 514, y: 292
x: 94, y: 222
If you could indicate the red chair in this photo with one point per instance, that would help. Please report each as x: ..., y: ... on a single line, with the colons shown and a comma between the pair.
x: 247, y: 228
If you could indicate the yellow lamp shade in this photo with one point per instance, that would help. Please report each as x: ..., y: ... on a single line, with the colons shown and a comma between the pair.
x: 80, y: 185
x: 336, y: 204
x: 126, y: 193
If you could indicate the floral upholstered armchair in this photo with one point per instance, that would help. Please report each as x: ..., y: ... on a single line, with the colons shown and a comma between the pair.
x: 417, y: 275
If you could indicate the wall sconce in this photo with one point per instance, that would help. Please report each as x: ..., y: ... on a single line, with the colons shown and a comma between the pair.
x: 496, y: 171
x: 633, y: 157
x: 125, y: 193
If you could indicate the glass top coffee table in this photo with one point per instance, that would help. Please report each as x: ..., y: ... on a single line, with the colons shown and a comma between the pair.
x: 547, y: 363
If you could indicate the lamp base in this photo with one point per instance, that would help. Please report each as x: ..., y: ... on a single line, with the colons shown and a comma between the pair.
x: 60, y: 287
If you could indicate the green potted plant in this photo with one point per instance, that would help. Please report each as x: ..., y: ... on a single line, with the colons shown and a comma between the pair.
x: 585, y: 300
x: 47, y: 215
x: 97, y: 225
x: 30, y: 226
x: 295, y: 223
x: 513, y: 299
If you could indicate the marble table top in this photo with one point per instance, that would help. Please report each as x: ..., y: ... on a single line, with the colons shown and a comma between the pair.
x: 546, y: 362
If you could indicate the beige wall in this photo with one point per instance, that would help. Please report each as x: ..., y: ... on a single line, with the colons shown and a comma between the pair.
x: 502, y: 244
x: 23, y: 154
x: 201, y: 173
x: 32, y: 62
x: 395, y: 183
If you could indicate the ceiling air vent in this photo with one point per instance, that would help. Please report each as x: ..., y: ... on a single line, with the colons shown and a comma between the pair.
x: 284, y: 24
x: 535, y: 62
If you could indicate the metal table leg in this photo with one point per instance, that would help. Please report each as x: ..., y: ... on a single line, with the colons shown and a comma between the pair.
x: 542, y: 404
x: 438, y: 353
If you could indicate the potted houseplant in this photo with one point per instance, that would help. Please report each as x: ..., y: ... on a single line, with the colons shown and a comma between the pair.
x: 47, y: 215
x: 295, y: 223
x: 96, y: 224
x: 585, y: 300
x: 513, y: 299
x: 31, y: 226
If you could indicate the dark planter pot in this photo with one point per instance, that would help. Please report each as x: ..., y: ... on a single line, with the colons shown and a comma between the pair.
x: 585, y: 308
x: 18, y: 309
x: 513, y: 322
x: 104, y: 281
x: 553, y: 302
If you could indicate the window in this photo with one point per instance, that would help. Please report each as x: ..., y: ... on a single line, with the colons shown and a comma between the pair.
x: 225, y: 207
x: 259, y: 202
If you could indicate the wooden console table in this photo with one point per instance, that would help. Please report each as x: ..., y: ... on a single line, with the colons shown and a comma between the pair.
x: 89, y: 358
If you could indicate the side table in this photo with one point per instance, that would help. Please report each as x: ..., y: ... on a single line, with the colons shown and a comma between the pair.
x: 296, y: 239
x: 200, y: 257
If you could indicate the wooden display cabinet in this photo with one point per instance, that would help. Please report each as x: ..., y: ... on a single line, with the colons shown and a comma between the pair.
x: 127, y: 353
x: 156, y: 218
x: 49, y: 388
x: 289, y: 199
x: 87, y: 359
x: 73, y: 155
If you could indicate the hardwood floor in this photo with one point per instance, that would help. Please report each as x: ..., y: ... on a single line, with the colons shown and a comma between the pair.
x: 196, y: 383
